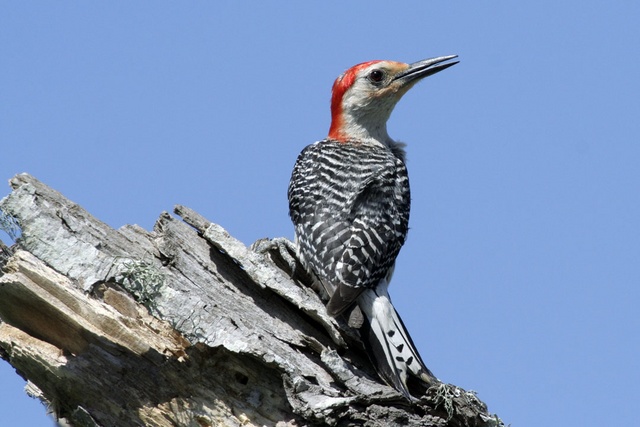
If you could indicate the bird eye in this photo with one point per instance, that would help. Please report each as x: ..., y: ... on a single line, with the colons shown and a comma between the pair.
x: 376, y: 76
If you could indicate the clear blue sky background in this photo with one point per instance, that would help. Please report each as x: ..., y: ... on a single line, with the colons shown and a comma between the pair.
x: 520, y: 278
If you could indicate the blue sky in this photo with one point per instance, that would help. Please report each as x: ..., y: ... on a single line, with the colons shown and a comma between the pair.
x: 520, y: 278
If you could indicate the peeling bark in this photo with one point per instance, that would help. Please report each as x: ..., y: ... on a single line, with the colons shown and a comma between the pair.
x: 183, y: 326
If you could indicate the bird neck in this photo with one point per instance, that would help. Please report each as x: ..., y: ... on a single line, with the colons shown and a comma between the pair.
x: 356, y: 117
x: 360, y: 123
x: 350, y: 129
x: 355, y: 131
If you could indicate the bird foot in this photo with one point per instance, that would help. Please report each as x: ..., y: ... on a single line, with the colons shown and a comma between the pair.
x: 281, y: 247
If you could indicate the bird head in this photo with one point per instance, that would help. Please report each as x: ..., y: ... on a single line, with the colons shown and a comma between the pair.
x: 364, y: 96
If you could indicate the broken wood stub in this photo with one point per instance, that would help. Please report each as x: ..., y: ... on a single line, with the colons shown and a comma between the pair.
x: 182, y: 326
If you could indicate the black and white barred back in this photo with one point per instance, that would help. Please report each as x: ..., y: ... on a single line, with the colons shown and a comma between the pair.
x: 350, y: 205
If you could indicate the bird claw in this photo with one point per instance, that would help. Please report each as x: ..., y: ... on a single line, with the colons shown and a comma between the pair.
x: 284, y: 247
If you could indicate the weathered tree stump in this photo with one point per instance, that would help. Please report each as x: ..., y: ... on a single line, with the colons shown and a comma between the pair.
x: 182, y: 326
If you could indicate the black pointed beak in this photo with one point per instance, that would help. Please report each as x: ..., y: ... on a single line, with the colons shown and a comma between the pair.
x: 425, y: 68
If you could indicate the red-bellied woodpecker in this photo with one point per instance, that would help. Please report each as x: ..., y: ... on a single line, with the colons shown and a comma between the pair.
x: 349, y: 201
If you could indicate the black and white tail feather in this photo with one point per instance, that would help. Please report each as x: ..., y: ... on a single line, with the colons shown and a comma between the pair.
x: 389, y: 343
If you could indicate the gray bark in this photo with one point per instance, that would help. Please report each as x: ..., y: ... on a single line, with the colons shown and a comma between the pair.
x: 182, y: 326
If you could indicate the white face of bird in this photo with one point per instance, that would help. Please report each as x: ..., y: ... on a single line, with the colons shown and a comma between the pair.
x: 365, y: 95
x: 367, y: 104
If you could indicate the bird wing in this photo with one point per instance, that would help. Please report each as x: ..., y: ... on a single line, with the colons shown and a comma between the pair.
x: 351, y: 212
x: 377, y: 231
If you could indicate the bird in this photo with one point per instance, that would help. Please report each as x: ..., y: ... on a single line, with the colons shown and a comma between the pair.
x: 349, y: 201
